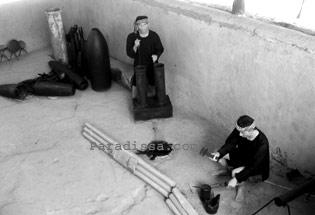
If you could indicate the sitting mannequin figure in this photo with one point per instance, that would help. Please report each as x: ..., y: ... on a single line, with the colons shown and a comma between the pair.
x: 245, y: 153
x: 145, y: 47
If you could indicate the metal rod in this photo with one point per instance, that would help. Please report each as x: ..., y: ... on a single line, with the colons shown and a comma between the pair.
x: 92, y: 134
x: 145, y: 177
x: 172, y: 207
x: 147, y: 166
x: 154, y: 178
x: 183, y: 201
x: 151, y: 183
x: 95, y: 141
x: 177, y: 204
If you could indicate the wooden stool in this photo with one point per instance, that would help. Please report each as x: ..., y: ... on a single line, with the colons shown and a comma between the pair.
x: 2, y: 50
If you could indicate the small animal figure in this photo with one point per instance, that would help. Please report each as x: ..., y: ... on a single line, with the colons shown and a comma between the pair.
x: 15, y: 46
x: 156, y: 148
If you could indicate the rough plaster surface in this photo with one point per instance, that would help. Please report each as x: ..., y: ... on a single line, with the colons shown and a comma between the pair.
x: 25, y: 20
x: 217, y: 65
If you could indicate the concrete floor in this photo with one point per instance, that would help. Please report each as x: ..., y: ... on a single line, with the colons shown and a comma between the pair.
x: 47, y: 167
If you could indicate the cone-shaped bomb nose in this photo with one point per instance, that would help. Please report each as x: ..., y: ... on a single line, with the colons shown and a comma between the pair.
x: 14, y: 91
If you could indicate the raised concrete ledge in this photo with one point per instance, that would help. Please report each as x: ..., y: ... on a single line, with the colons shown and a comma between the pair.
x: 121, y: 72
x: 267, y: 31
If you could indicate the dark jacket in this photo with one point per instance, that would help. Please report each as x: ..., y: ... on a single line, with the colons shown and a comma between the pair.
x: 150, y: 45
x: 253, y: 155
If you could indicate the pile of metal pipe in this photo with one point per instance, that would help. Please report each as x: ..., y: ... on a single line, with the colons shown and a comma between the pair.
x: 175, y: 200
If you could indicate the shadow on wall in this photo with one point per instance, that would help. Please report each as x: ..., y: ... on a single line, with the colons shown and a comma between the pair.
x: 279, y: 167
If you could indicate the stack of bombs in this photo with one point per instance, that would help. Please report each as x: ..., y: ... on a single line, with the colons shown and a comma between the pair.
x: 175, y: 200
x: 88, y: 59
x: 61, y: 81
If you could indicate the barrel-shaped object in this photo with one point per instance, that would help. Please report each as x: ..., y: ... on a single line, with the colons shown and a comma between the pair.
x: 141, y: 82
x: 159, y: 77
x: 78, y: 81
x: 57, y: 34
x: 238, y: 7
x: 307, y: 187
x: 14, y: 91
x: 48, y: 88
x: 206, y: 192
x: 98, y: 61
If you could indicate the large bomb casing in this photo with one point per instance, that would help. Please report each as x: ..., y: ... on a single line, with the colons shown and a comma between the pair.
x: 49, y: 88
x: 98, y: 61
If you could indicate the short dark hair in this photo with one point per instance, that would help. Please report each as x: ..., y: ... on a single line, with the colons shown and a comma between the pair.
x: 244, y: 121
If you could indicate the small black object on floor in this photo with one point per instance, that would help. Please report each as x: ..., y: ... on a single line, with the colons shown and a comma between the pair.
x: 209, y: 200
x: 156, y: 148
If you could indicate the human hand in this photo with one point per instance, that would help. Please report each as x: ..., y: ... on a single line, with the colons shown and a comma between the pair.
x: 232, y: 183
x: 154, y: 58
x: 215, y: 156
x: 137, y: 43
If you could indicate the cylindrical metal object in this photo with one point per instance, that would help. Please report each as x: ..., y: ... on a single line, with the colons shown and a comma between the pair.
x: 159, y: 77
x: 283, y: 199
x: 205, y: 192
x: 144, y: 175
x: 151, y: 169
x: 98, y: 61
x: 172, y: 207
x: 154, y: 178
x: 98, y: 140
x: 238, y: 7
x: 183, y: 201
x: 94, y: 141
x: 177, y: 204
x: 14, y: 91
x: 47, y: 88
x: 146, y: 172
x: 151, y: 183
x: 57, y: 34
x: 141, y: 82
x: 79, y: 82
x: 144, y: 164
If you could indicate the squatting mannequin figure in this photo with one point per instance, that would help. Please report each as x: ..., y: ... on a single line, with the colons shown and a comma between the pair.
x: 245, y: 152
x: 145, y: 47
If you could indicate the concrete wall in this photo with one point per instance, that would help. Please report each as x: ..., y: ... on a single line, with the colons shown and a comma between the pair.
x: 217, y: 65
x: 25, y: 20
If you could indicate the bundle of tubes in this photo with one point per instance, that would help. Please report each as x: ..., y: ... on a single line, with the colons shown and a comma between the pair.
x: 175, y: 200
